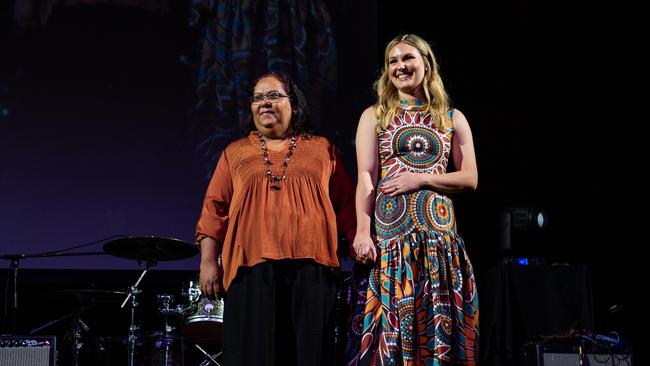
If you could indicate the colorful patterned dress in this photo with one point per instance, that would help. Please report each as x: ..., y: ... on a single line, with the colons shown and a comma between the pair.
x: 421, y: 304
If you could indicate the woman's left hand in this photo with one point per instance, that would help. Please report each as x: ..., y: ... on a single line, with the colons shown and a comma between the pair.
x: 402, y: 183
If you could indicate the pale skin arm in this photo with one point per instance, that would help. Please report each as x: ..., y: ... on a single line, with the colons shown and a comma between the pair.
x: 367, y: 164
x: 211, y: 273
x: 465, y: 178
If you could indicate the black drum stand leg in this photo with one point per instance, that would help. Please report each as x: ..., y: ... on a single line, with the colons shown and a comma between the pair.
x: 165, y: 310
x: 207, y: 355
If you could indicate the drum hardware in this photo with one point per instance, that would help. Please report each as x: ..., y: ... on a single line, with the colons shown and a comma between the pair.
x: 78, y: 326
x: 84, y: 299
x: 147, y: 250
x: 210, y: 359
x: 149, y: 350
x: 165, y: 309
x: 133, y: 328
x: 150, y: 250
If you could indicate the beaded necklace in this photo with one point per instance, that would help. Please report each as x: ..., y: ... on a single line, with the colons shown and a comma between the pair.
x: 276, y: 181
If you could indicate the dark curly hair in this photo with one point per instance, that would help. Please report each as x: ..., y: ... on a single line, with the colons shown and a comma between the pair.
x: 300, y: 124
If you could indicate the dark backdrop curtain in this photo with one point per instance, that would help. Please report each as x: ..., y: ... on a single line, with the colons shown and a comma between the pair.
x: 36, y: 13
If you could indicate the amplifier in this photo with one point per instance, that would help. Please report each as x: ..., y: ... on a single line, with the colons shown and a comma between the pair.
x: 27, y: 350
x: 569, y: 355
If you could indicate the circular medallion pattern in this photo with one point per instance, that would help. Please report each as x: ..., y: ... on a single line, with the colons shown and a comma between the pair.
x: 419, y: 147
x: 391, y: 215
x: 432, y: 211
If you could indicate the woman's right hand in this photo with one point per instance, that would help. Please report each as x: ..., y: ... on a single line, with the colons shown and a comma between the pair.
x: 211, y: 279
x: 364, y: 248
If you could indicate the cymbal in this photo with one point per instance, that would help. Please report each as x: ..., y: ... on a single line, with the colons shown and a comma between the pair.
x: 151, y: 248
x: 92, y: 295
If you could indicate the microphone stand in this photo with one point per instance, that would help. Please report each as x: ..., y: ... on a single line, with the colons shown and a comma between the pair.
x: 12, y: 277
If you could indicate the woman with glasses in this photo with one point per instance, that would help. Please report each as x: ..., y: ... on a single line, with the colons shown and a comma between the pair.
x: 271, y: 214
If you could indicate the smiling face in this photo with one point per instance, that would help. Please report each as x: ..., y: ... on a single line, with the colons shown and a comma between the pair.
x: 406, y: 69
x: 271, y: 117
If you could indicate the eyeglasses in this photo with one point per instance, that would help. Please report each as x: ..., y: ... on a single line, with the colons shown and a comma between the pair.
x: 272, y: 96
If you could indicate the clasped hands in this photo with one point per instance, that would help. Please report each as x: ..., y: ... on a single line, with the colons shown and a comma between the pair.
x: 365, y: 250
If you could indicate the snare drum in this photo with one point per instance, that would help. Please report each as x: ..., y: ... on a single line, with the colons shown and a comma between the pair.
x: 203, y: 317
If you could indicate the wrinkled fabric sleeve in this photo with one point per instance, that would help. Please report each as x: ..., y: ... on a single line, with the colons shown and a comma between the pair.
x: 342, y: 197
x: 213, y: 221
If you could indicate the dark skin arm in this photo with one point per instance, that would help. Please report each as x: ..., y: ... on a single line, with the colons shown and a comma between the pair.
x: 211, y: 273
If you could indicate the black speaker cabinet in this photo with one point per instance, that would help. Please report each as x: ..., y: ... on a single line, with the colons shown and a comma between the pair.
x: 569, y: 355
x: 27, y: 350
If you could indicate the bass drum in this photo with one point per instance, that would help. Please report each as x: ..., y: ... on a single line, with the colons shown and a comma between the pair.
x: 203, y: 317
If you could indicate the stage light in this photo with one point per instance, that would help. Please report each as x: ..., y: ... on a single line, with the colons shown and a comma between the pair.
x: 520, y: 228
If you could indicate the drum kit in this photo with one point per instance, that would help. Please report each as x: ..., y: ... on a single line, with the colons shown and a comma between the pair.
x: 201, y: 317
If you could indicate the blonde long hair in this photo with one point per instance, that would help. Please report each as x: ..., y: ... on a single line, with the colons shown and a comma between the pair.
x: 388, y: 97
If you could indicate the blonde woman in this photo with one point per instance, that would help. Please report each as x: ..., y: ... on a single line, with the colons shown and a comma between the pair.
x: 421, y: 304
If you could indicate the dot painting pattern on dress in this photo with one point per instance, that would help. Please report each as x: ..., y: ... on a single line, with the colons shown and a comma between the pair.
x: 419, y: 305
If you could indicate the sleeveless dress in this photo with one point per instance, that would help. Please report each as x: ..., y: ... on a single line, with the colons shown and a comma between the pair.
x: 421, y: 304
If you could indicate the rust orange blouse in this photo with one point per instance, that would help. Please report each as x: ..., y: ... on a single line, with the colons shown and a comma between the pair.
x: 253, y: 223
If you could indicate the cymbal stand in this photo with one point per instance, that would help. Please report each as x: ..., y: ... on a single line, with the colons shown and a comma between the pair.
x: 165, y: 310
x: 133, y: 328
x: 77, y: 326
